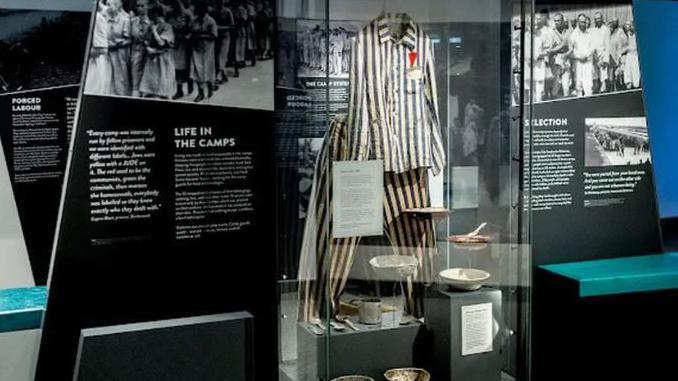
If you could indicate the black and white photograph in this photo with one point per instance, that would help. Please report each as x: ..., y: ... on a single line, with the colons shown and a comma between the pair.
x: 217, y: 52
x: 579, y: 51
x: 616, y: 141
x: 309, y: 148
x: 313, y: 41
x: 41, y: 49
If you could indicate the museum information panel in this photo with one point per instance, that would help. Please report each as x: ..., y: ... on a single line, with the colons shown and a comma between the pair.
x: 167, y: 205
x: 41, y: 56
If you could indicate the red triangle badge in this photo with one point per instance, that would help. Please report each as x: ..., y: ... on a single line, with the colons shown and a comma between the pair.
x: 413, y: 57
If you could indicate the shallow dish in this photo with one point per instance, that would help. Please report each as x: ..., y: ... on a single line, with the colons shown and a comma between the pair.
x: 353, y: 378
x: 394, y: 267
x: 470, y: 246
x: 469, y: 239
x: 407, y: 374
x: 464, y: 279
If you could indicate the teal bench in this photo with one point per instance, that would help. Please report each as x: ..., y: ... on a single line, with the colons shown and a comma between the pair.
x: 609, y: 319
x: 22, y: 308
x: 621, y: 275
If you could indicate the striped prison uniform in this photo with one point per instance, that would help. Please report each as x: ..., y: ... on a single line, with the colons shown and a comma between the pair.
x: 324, y: 270
x: 393, y: 99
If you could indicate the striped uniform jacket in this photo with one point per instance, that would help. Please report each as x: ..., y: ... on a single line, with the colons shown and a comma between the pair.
x: 325, y: 262
x: 393, y: 101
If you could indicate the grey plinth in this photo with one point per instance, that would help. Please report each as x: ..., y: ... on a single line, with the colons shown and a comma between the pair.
x: 444, y: 325
x: 205, y: 348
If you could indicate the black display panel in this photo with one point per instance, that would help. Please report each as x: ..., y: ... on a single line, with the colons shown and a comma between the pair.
x: 167, y: 204
x: 590, y: 200
x: 41, y: 52
x: 167, y: 213
x: 588, y: 162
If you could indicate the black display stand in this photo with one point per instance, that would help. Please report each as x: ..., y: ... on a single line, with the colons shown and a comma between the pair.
x: 606, y: 337
x: 598, y: 223
x: 206, y: 348
x: 370, y: 351
x: 444, y: 326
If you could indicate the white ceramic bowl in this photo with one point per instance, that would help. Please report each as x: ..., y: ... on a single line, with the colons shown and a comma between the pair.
x: 464, y: 279
x: 394, y: 267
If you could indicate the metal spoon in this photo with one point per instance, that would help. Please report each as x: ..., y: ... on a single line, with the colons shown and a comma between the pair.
x: 348, y: 322
x: 319, y: 324
x: 407, y: 319
x: 478, y: 229
x: 337, y: 326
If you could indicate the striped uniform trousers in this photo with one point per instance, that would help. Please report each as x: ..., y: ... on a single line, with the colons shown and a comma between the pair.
x: 326, y: 262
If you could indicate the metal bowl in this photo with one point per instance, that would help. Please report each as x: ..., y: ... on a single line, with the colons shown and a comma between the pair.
x: 464, y: 279
x: 394, y: 267
x: 407, y: 374
x: 353, y: 378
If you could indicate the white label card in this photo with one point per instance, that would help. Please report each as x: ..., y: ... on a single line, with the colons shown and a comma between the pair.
x: 476, y: 329
x: 415, y: 73
x: 436, y: 189
x: 358, y: 198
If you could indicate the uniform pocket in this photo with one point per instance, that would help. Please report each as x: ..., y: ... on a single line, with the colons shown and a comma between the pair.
x: 415, y: 86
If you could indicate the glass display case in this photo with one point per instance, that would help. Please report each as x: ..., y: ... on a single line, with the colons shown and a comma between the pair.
x: 403, y: 229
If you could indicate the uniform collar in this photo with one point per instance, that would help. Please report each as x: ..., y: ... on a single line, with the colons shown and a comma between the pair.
x: 409, y: 38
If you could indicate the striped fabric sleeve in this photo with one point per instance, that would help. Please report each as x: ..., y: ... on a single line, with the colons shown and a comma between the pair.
x: 358, y: 117
x: 437, y: 147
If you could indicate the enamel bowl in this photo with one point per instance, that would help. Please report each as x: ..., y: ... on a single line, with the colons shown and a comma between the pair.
x: 353, y: 378
x: 464, y: 279
x: 407, y: 374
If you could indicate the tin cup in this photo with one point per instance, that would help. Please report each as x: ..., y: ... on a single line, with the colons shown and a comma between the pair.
x: 369, y: 311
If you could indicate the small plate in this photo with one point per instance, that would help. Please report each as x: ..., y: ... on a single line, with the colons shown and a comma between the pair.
x: 464, y: 279
x: 434, y: 212
x: 470, y: 246
x: 469, y: 239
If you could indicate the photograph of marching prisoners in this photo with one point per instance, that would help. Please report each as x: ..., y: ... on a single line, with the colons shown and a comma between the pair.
x: 210, y: 52
x: 579, y: 50
x: 616, y: 141
x: 41, y: 49
x: 312, y: 42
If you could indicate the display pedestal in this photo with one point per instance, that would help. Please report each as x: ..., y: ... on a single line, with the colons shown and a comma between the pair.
x: 444, y: 325
x: 369, y: 351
